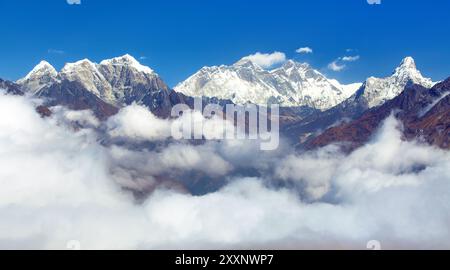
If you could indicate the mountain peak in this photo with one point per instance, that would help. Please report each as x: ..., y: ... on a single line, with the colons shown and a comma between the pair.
x: 127, y: 60
x: 246, y: 62
x: 120, y: 60
x: 379, y: 90
x: 293, y: 64
x: 42, y: 75
x: 408, y: 71
x: 408, y: 63
x: 69, y: 67
x: 44, y: 63
x: 43, y: 68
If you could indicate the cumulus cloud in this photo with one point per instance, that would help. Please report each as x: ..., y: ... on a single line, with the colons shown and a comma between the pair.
x: 313, y: 170
x: 351, y: 58
x: 80, y: 119
x: 138, y: 123
x: 266, y: 60
x: 71, y: 185
x: 172, y: 158
x: 339, y: 64
x: 304, y: 50
x: 336, y: 66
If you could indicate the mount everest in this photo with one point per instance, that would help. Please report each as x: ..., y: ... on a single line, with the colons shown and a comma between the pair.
x: 292, y: 85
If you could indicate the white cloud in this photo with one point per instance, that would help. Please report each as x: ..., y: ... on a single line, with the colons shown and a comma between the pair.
x: 336, y: 66
x: 351, y: 58
x: 315, y: 169
x: 138, y: 123
x: 305, y: 50
x: 339, y: 65
x: 266, y: 60
x: 64, y: 184
x: 67, y: 117
x: 188, y: 157
x: 74, y: 2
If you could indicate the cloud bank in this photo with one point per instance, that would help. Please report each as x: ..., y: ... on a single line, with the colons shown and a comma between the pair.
x: 62, y: 183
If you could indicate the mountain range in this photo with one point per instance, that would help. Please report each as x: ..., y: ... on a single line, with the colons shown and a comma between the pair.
x: 118, y: 81
x: 103, y: 88
x: 315, y: 110
x: 291, y: 85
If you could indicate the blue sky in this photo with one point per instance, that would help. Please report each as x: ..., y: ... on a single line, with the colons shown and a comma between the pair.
x: 176, y: 38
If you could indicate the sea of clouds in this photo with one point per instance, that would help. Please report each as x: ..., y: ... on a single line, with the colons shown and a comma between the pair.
x: 61, y: 181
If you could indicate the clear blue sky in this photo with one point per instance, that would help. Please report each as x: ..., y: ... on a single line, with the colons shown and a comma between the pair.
x: 179, y: 37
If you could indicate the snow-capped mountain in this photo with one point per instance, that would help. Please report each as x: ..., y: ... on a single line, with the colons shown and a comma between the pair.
x: 43, y: 75
x: 103, y: 88
x: 123, y: 80
x: 118, y: 81
x: 373, y: 93
x: 376, y: 91
x: 88, y: 75
x: 308, y: 87
x: 293, y: 84
x: 130, y: 81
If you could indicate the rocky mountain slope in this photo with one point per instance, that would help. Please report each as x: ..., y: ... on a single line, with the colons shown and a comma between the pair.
x: 10, y: 87
x: 119, y: 81
x: 103, y: 88
x: 425, y: 114
x: 73, y: 95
